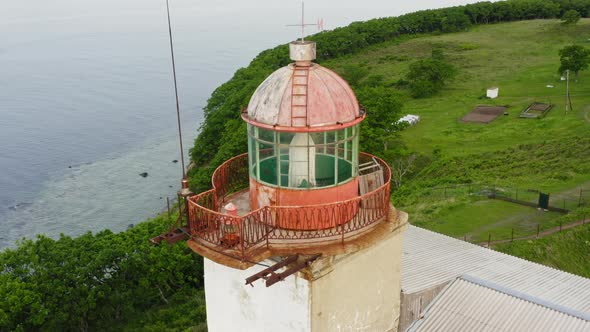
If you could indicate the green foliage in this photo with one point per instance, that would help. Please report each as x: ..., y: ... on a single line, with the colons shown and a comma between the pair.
x: 438, y: 54
x: 574, y: 58
x: 455, y: 20
x: 428, y: 76
x: 184, y: 312
x: 353, y: 74
x: 571, y: 17
x: 383, y: 106
x: 78, y: 283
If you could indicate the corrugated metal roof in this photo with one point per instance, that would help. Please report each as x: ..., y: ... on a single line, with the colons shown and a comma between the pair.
x: 469, y: 306
x: 431, y: 258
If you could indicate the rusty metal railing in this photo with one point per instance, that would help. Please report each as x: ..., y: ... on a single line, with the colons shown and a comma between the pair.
x: 241, y: 236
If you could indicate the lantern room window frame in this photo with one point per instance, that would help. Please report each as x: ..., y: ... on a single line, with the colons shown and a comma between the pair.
x: 335, y: 150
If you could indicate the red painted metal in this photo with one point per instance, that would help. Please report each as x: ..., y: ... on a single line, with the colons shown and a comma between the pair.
x: 265, y: 226
x: 262, y: 195
x: 299, y: 81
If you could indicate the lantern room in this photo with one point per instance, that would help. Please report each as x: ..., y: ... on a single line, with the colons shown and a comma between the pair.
x: 303, y: 135
x: 303, y: 186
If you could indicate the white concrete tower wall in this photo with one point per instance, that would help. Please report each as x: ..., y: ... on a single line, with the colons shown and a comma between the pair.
x: 234, y: 306
x: 360, y: 291
x: 357, y: 291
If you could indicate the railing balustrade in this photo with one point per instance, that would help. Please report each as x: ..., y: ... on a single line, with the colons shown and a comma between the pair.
x: 241, y: 235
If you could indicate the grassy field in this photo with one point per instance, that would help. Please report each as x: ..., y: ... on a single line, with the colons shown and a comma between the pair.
x: 475, y: 220
x: 551, y: 154
x: 520, y: 58
x: 568, y: 251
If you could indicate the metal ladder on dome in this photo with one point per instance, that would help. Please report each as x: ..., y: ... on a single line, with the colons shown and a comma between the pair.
x: 299, y: 96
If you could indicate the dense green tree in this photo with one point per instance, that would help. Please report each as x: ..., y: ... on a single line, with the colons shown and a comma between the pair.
x: 426, y: 77
x: 574, y: 58
x: 571, y: 17
x: 383, y: 108
x: 73, y: 284
x: 353, y: 74
x: 455, y: 20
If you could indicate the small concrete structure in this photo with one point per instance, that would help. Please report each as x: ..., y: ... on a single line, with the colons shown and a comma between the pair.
x: 492, y: 93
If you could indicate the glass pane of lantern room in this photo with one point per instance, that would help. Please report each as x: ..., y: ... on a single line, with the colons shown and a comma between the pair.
x: 267, y: 157
x: 346, y: 165
x: 324, y: 158
x: 284, y: 139
x: 252, y: 161
x: 302, y: 163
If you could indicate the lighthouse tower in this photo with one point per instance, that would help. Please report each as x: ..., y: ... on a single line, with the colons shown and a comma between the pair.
x: 299, y: 233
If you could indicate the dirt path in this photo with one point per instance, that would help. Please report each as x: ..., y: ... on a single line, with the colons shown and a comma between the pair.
x: 541, y: 234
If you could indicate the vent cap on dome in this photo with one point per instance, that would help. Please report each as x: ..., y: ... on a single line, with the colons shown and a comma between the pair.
x: 302, y: 52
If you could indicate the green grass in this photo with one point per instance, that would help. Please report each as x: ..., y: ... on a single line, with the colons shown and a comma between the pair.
x: 476, y: 220
x: 567, y: 251
x: 520, y: 57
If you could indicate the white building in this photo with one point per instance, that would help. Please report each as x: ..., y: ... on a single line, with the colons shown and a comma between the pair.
x: 492, y: 93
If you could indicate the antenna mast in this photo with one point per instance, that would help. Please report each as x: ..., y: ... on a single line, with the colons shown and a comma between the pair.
x: 319, y: 24
x: 184, y: 181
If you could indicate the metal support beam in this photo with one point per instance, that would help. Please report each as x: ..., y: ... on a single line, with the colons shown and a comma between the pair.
x: 271, y: 270
x: 276, y: 277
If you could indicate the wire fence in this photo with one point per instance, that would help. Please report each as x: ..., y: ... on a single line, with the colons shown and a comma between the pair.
x: 562, y: 202
x: 574, y: 205
x: 536, y: 231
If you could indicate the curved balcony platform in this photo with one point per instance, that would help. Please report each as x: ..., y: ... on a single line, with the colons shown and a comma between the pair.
x: 242, y: 240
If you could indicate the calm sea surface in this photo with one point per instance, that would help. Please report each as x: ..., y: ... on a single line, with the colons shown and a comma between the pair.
x: 86, y: 98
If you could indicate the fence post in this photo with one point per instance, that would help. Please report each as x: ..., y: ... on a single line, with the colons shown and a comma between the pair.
x: 342, y: 231
x: 168, y: 205
x: 580, y: 199
x: 538, y: 229
x: 512, y: 236
x: 242, y: 240
x: 266, y: 219
x: 465, y: 237
x: 489, y: 239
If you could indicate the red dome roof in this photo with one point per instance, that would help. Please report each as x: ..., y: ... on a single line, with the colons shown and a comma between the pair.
x: 319, y: 98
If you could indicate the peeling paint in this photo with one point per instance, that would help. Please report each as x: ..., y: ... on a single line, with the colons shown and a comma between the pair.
x: 330, y: 100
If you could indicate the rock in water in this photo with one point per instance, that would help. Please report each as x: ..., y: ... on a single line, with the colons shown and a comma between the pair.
x: 175, y: 161
x: 144, y: 174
